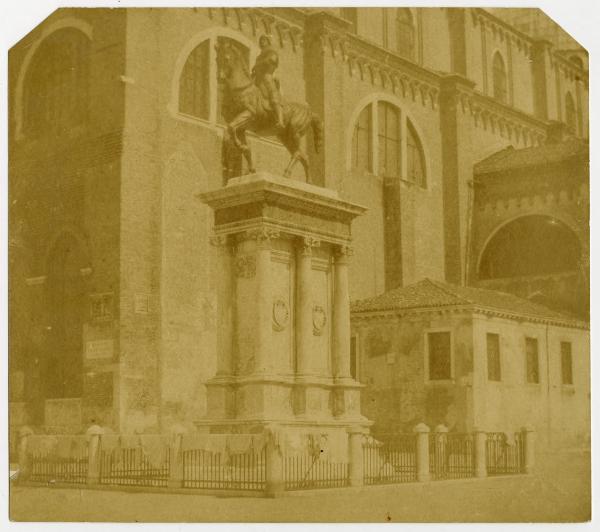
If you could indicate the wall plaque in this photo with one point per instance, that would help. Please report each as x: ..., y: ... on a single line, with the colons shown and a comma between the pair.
x: 99, y: 349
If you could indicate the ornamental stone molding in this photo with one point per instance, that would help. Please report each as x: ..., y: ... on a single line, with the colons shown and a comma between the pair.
x: 254, y: 22
x: 281, y: 314
x: 262, y: 235
x: 319, y: 319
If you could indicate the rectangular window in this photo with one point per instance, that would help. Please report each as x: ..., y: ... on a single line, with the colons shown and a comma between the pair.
x: 533, y: 368
x: 566, y: 362
x: 439, y: 356
x: 493, y: 357
x: 353, y: 357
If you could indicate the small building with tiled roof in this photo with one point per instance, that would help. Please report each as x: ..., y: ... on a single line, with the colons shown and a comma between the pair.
x: 469, y: 357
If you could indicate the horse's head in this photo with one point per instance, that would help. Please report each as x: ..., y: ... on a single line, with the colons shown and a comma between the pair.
x: 229, y: 61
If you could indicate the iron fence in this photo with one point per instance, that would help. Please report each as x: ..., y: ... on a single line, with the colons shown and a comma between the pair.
x: 502, y: 458
x: 311, y: 472
x: 451, y: 456
x: 131, y: 467
x: 46, y: 467
x: 215, y: 470
x: 392, y: 460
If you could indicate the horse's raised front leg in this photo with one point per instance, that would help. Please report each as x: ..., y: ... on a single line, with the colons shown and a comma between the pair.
x: 241, y: 121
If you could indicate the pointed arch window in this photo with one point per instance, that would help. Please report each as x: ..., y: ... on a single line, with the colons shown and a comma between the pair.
x: 405, y: 33
x: 499, y: 78
x: 570, y: 113
x: 385, y: 142
x: 56, y: 90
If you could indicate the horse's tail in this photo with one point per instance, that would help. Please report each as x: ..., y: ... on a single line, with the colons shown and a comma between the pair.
x: 317, y: 127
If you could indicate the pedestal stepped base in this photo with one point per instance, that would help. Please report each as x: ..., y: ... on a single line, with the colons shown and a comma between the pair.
x: 283, y: 311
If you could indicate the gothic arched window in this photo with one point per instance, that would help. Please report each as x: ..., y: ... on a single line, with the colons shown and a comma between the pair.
x: 379, y: 145
x: 570, y: 113
x: 405, y: 33
x: 415, y: 159
x: 56, y: 87
x: 499, y: 72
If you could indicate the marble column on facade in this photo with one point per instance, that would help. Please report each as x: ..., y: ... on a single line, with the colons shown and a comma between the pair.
x: 341, y: 314
x: 224, y: 284
x: 304, y: 308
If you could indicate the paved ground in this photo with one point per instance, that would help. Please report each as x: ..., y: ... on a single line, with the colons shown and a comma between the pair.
x: 559, y: 491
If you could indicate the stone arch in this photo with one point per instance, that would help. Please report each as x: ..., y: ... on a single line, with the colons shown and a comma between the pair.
x: 63, y: 23
x: 530, y: 244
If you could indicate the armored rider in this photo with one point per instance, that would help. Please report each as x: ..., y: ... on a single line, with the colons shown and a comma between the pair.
x: 263, y: 75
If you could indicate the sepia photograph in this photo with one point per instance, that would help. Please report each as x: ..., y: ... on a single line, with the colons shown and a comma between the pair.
x: 298, y: 265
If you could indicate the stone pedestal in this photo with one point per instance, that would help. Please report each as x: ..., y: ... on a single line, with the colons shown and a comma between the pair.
x: 284, y: 309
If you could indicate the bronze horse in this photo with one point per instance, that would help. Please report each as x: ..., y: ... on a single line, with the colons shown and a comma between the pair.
x: 250, y: 109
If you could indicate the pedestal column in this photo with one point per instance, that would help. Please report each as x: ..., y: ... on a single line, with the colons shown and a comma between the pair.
x: 264, y: 296
x: 304, y: 321
x: 224, y: 305
x: 341, y: 315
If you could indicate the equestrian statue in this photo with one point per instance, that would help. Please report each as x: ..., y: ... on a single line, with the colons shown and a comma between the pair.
x: 252, y: 101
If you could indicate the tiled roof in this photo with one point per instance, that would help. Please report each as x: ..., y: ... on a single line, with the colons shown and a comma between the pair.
x: 510, y: 158
x: 428, y: 294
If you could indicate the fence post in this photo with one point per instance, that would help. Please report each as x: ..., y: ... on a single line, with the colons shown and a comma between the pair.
x: 480, y: 441
x: 355, y: 455
x: 441, y: 448
x: 23, y: 454
x: 176, y: 457
x: 529, y: 443
x: 94, y: 434
x: 274, y: 466
x: 422, y: 456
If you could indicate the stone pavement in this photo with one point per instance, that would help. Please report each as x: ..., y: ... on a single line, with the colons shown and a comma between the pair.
x: 559, y: 491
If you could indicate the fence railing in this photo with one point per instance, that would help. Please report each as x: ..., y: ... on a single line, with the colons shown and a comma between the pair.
x: 503, y: 458
x: 451, y: 455
x: 391, y: 460
x: 261, y: 465
x: 305, y: 471
x: 214, y: 470
x: 64, y: 460
x: 131, y: 467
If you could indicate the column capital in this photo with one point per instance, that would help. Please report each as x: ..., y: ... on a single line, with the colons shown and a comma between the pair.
x: 307, y: 244
x: 262, y: 235
x: 218, y: 240
x: 343, y: 253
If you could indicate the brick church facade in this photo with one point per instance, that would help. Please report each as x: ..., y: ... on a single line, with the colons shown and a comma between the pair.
x: 116, y: 126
